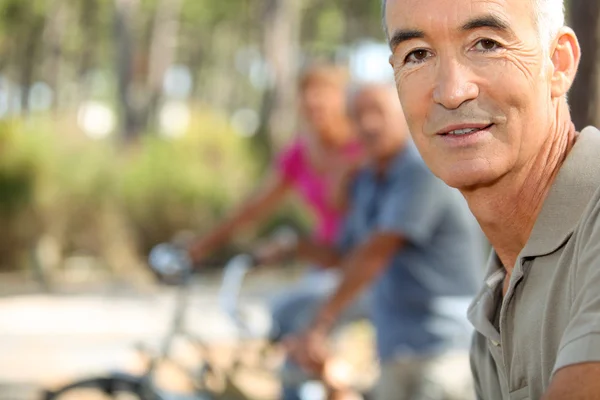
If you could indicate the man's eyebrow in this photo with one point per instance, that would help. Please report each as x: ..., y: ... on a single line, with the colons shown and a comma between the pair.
x: 486, y: 21
x: 404, y: 35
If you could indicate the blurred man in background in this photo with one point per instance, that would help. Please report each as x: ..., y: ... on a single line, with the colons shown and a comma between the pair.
x: 413, y: 241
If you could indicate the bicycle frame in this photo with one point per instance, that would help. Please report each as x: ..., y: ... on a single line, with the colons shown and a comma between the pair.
x: 144, y: 386
x: 234, y: 274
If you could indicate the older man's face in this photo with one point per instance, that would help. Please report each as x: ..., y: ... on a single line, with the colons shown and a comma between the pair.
x: 473, y: 83
x: 379, y: 120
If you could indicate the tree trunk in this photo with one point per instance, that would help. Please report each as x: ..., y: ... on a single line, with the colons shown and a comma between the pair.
x: 56, y: 24
x: 583, y: 98
x: 163, y: 47
x: 29, y: 57
x: 89, y: 19
x: 124, y: 14
x: 281, y: 47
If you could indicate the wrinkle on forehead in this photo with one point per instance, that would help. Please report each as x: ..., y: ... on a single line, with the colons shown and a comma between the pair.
x: 441, y: 20
x: 442, y: 16
x: 381, y: 93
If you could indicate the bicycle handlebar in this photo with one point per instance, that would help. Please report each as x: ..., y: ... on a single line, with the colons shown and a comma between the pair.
x: 167, y: 260
x: 173, y: 265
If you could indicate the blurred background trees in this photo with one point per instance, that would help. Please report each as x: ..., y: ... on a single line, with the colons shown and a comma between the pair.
x: 232, y: 52
x: 123, y: 122
x: 584, y: 96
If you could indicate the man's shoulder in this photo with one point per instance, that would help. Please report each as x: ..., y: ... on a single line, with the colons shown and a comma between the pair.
x: 571, y: 197
x: 589, y: 224
x: 583, y: 193
x: 591, y: 129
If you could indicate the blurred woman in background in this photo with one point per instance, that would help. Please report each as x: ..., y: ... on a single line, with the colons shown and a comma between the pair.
x: 314, y: 166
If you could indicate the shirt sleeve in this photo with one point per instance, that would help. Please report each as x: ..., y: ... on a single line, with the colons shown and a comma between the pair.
x: 581, y: 340
x: 413, y: 206
x: 345, y: 239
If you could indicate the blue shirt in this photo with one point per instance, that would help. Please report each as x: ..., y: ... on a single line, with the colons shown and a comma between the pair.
x: 419, y: 303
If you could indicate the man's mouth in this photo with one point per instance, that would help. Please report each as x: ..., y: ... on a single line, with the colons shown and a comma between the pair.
x: 462, y: 131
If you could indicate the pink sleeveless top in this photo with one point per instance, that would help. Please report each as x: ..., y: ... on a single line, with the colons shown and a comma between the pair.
x: 314, y: 186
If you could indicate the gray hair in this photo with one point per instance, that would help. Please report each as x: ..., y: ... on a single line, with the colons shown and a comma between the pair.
x: 549, y: 16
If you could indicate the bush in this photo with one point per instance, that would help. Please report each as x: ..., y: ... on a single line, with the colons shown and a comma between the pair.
x: 189, y: 183
x: 93, y: 198
x: 17, y: 194
x: 56, y: 182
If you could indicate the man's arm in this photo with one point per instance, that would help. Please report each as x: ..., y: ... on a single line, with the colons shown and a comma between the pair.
x: 322, y: 255
x: 326, y: 257
x: 360, y: 268
x: 576, y: 382
x: 252, y: 210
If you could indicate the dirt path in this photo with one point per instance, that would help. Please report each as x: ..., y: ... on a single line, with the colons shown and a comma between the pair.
x: 45, y: 339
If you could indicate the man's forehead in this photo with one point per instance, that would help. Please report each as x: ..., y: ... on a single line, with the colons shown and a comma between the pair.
x: 375, y: 93
x: 437, y: 15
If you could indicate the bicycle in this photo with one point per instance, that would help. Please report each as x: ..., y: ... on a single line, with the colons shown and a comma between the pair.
x: 210, y: 381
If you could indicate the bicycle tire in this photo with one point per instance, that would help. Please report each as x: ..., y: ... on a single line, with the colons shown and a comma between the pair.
x: 113, y: 387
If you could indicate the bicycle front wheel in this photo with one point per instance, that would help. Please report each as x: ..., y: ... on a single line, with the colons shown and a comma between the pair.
x: 116, y: 387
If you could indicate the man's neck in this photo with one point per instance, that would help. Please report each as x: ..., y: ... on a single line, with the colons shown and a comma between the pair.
x: 508, y: 209
x: 382, y: 162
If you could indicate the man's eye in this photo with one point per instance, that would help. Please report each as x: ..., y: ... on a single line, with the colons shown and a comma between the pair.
x: 485, y: 45
x: 417, y: 56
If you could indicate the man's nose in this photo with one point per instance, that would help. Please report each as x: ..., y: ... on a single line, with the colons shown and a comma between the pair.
x: 454, y: 85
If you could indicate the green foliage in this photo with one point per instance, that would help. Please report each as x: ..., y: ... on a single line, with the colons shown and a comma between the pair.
x: 18, y: 179
x: 189, y: 183
x: 17, y: 175
x: 54, y: 181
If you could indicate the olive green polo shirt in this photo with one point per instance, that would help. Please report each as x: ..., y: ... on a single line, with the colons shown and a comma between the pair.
x: 550, y: 316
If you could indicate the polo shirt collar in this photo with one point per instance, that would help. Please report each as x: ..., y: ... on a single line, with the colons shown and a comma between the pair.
x: 484, y: 306
x: 572, y: 190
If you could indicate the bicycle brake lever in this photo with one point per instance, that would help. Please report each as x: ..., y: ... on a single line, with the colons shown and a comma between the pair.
x: 233, y: 278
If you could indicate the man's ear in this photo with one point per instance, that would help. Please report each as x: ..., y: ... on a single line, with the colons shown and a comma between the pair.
x: 565, y: 60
